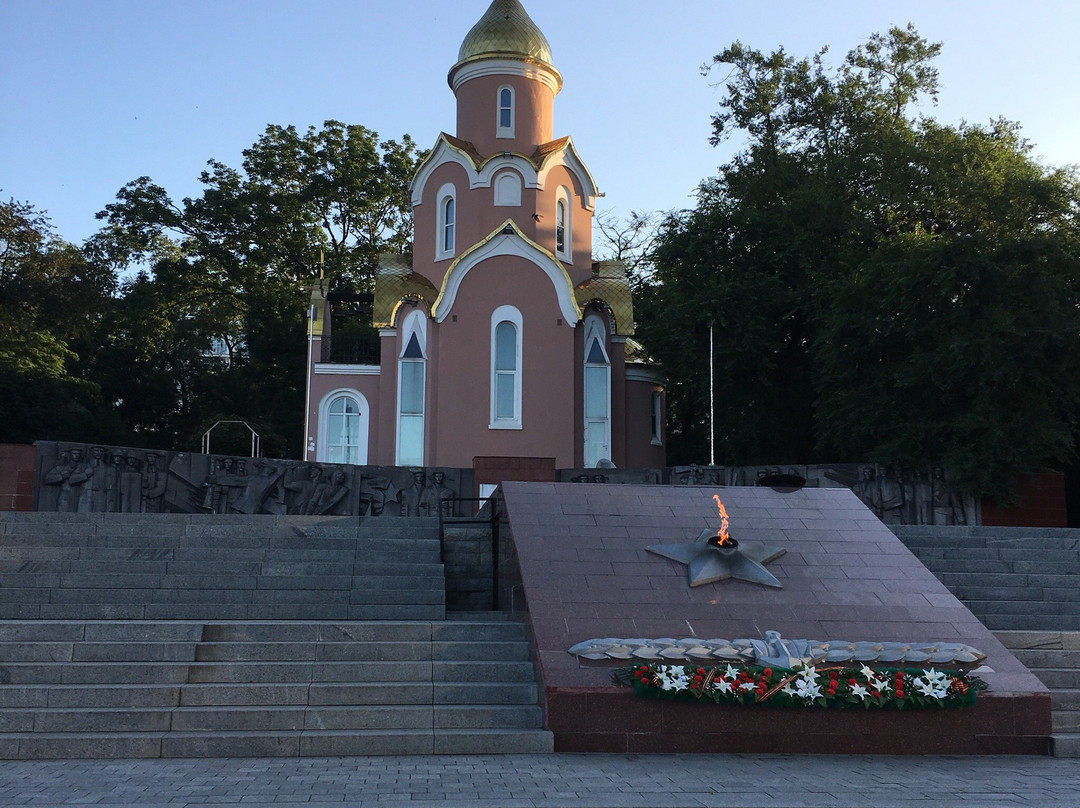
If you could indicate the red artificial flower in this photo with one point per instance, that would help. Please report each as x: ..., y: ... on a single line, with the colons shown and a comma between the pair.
x: 767, y: 672
x: 852, y: 681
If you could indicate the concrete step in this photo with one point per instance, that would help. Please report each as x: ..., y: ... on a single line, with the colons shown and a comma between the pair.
x: 1065, y: 745
x: 1058, y: 678
x: 281, y: 743
x: 1023, y: 607
x: 1035, y: 658
x: 1066, y: 720
x: 1028, y: 622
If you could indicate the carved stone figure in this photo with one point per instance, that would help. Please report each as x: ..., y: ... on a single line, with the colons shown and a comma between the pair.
x: 263, y: 491
x: 223, y: 487
x: 67, y: 498
x: 867, y: 490
x: 411, y: 497
x: 304, y: 490
x: 99, y: 483
x: 328, y: 494
x: 434, y: 498
x: 154, y: 482
x: 130, y: 485
x: 892, y: 497
x: 948, y: 507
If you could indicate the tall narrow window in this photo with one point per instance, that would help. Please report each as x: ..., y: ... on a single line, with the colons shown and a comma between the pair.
x: 343, y: 431
x: 448, y: 225
x: 506, y: 113
x: 563, y: 226
x: 597, y: 395
x: 411, y: 372
x: 344, y: 416
x: 447, y: 222
x: 560, y: 227
x: 506, y: 368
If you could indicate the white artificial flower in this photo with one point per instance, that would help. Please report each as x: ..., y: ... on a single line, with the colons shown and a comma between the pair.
x: 672, y: 678
x: 860, y: 691
x: 722, y: 684
x: 932, y: 683
x: 806, y: 689
x: 747, y: 686
x: 731, y: 672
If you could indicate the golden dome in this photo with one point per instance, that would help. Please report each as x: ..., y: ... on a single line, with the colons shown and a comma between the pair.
x: 505, y: 32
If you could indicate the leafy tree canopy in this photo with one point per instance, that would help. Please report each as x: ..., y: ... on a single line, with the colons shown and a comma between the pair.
x: 881, y: 286
x: 211, y: 326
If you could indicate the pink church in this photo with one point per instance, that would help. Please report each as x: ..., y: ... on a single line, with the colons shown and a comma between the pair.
x: 502, y: 338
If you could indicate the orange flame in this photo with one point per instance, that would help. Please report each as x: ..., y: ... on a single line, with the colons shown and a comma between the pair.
x: 722, y: 534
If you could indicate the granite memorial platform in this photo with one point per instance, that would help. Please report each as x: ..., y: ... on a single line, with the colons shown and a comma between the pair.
x: 574, y: 564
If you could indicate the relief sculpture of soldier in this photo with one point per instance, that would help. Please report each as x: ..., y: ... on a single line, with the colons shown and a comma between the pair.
x: 67, y: 495
x: 96, y: 489
x: 328, y: 494
x: 436, y: 497
x: 223, y: 487
x: 131, y: 483
x: 263, y: 492
x: 303, y: 491
x: 154, y: 483
x: 412, y: 496
x: 892, y: 497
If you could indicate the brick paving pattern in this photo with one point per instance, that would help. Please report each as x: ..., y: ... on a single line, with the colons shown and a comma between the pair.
x: 550, y: 781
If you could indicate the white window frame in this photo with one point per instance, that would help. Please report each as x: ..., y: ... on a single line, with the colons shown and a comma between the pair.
x: 506, y: 314
x: 503, y: 132
x: 415, y: 323
x: 595, y: 330
x: 443, y: 250
x: 507, y: 189
x: 562, y: 199
x: 322, y: 453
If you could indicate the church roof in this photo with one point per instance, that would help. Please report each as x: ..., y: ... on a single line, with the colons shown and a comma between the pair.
x: 396, y: 282
x: 505, y: 32
x: 609, y: 286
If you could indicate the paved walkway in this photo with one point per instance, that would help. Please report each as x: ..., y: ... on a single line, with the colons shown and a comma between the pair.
x: 558, y: 781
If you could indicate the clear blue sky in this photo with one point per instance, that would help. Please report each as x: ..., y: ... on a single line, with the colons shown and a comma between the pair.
x: 94, y: 93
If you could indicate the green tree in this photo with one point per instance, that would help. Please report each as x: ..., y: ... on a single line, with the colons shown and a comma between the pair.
x: 886, y: 287
x: 52, y: 302
x: 226, y: 271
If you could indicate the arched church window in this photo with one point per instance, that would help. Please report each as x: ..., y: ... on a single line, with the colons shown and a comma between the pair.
x: 447, y: 222
x: 506, y: 368
x: 597, y: 405
x: 563, y: 233
x: 344, y: 416
x: 506, y: 112
x: 412, y: 365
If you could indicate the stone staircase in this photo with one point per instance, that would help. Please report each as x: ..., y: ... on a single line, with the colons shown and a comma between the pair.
x: 182, y: 636
x: 1024, y: 585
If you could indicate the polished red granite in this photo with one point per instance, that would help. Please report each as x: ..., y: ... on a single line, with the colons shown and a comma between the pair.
x: 575, y: 564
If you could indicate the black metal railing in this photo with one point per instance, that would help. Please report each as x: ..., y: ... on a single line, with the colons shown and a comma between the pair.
x: 351, y: 349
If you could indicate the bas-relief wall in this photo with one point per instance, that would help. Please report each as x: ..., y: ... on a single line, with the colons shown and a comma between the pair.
x: 87, y: 478
x: 896, y: 496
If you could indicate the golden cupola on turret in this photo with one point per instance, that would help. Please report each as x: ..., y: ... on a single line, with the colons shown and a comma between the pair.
x: 504, y: 75
x: 505, y: 32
